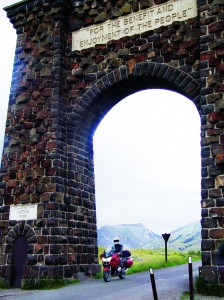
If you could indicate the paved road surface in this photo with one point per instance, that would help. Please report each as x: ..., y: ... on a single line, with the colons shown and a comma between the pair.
x: 170, y: 282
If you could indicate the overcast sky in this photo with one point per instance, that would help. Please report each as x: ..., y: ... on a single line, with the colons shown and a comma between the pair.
x: 147, y: 162
x: 146, y: 150
x: 7, y: 46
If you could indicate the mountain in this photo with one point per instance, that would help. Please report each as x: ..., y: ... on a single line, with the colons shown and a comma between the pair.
x: 187, y: 237
x: 132, y: 236
x: 135, y: 236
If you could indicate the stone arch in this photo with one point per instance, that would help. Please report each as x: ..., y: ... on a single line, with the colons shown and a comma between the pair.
x: 122, y: 82
x: 94, y: 105
x: 21, y: 229
x: 62, y: 94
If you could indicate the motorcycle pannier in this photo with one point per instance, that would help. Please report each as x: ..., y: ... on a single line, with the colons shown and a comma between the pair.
x: 128, y: 262
x: 126, y: 253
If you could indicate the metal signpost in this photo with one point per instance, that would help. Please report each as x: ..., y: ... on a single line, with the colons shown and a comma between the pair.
x: 166, y: 238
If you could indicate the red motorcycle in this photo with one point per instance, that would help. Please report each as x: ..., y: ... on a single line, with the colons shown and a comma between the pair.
x: 115, y: 265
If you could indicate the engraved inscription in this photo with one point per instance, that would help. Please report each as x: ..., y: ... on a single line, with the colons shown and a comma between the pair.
x: 23, y: 212
x: 135, y: 23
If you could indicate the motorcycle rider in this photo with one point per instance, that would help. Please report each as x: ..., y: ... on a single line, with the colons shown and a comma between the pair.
x: 115, y: 261
x: 117, y: 247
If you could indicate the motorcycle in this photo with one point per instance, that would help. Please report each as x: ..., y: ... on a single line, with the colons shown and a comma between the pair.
x: 115, y: 265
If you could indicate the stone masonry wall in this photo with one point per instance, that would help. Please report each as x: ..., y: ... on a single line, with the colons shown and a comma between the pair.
x: 212, y: 88
x: 59, y: 96
x: 34, y: 162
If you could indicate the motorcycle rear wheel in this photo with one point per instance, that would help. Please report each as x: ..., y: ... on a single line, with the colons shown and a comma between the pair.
x: 122, y: 274
x: 107, y: 276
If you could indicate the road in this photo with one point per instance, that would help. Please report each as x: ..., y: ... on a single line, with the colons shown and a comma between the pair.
x: 170, y: 282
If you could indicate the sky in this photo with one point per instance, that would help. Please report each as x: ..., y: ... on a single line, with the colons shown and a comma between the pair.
x: 7, y: 46
x: 147, y: 162
x: 146, y: 153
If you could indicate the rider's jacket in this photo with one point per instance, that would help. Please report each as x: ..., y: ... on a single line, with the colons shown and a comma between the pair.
x: 117, y: 248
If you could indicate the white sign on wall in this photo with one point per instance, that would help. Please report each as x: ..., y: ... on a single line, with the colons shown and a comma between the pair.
x: 22, y: 212
x: 134, y: 23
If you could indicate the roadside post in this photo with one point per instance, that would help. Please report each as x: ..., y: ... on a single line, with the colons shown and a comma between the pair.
x: 166, y: 238
x: 153, y: 284
x: 191, y: 286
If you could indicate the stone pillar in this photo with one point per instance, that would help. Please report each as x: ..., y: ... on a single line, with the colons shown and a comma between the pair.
x: 212, y: 116
x: 35, y: 168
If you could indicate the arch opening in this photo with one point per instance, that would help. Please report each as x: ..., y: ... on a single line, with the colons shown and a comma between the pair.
x: 147, y: 162
x: 19, y: 260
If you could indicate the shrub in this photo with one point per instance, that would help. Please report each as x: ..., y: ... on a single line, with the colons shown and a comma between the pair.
x: 98, y: 275
x: 194, y: 253
x: 3, y: 284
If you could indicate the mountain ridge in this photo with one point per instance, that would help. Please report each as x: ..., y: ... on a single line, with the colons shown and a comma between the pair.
x: 135, y: 236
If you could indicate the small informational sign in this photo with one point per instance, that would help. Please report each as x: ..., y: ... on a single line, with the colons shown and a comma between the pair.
x: 22, y: 212
x: 134, y: 23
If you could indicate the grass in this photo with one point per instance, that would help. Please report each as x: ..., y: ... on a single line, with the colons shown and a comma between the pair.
x: 145, y: 259
x: 185, y: 296
x: 41, y: 284
x: 156, y: 259
x: 46, y: 283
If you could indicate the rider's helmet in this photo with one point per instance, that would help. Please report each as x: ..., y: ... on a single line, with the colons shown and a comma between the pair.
x: 116, y: 240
